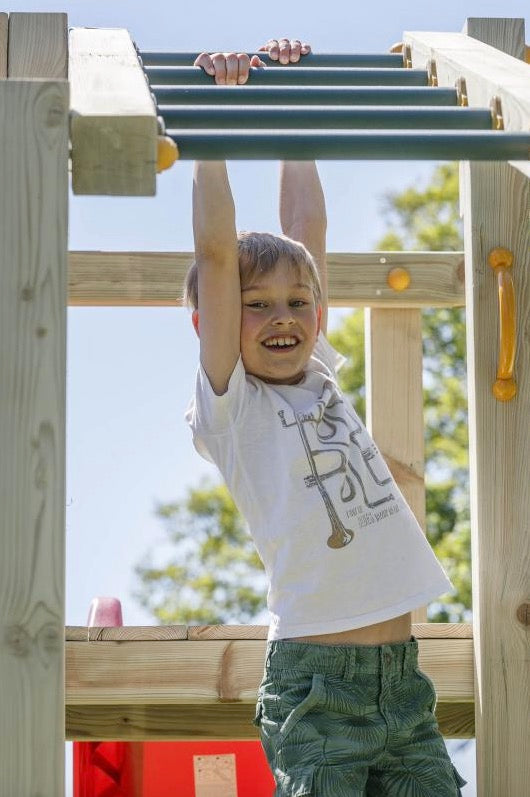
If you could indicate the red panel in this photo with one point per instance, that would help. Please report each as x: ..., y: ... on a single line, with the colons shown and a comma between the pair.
x: 162, y: 769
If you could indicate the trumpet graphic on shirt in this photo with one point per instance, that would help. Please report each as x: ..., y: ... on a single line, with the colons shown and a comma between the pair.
x: 328, y: 428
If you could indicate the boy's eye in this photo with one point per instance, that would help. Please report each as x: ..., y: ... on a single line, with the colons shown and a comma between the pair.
x: 298, y: 303
x: 256, y: 304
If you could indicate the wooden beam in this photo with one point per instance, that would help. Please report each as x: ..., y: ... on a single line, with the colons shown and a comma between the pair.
x: 394, y: 402
x: 199, y: 633
x: 495, y: 214
x: 4, y: 24
x: 155, y: 279
x: 495, y: 201
x: 38, y: 45
x: 33, y: 259
x: 113, y: 118
x: 487, y: 72
x: 206, y: 687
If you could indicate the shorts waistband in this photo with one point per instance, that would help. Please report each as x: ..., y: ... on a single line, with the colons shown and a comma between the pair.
x: 343, y: 660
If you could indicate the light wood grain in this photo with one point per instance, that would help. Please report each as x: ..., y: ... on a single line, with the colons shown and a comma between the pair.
x: 394, y: 402
x: 230, y: 721
x: 4, y: 23
x: 220, y: 670
x: 495, y: 214
x: 190, y: 688
x: 488, y: 72
x: 129, y: 633
x: 38, y: 45
x: 33, y: 255
x: 113, y: 118
x: 155, y: 279
x: 198, y: 633
x: 502, y: 33
x: 217, y: 670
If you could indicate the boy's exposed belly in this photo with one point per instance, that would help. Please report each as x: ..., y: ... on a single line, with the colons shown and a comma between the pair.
x: 398, y: 629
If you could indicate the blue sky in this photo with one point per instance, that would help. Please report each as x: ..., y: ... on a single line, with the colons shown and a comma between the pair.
x: 131, y: 371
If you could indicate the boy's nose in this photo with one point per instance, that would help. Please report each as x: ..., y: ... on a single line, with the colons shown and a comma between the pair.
x: 283, y: 315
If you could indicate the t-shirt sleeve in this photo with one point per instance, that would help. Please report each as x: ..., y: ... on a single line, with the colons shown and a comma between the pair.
x: 327, y: 355
x: 210, y: 415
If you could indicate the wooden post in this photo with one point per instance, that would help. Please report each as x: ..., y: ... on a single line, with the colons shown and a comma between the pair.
x: 33, y: 258
x: 495, y: 203
x: 4, y: 19
x: 394, y: 402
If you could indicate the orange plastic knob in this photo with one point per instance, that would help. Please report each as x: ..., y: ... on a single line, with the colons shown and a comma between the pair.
x: 398, y: 279
x: 167, y: 153
x: 504, y: 389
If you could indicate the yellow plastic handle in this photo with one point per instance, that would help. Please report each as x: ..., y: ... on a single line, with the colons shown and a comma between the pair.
x: 501, y: 261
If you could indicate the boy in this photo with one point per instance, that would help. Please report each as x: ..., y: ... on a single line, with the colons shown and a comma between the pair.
x: 343, y: 708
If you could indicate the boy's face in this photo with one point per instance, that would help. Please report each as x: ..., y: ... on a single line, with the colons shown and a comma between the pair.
x: 279, y: 324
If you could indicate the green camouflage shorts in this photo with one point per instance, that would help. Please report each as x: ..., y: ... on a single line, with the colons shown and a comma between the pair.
x: 352, y: 721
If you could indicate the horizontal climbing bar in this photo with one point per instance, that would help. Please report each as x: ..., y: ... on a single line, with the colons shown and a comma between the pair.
x: 341, y: 145
x: 294, y: 95
x: 290, y: 76
x: 337, y: 117
x: 368, y: 60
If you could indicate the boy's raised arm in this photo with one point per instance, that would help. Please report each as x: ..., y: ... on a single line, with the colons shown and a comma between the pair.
x: 216, y: 254
x: 303, y: 216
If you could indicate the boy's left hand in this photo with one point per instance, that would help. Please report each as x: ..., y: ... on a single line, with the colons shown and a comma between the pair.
x: 286, y: 51
x: 228, y: 69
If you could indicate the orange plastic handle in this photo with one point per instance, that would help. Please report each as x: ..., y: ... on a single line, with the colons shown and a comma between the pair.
x: 501, y: 261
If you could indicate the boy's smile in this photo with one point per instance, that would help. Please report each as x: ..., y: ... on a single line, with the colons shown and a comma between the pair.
x: 279, y: 324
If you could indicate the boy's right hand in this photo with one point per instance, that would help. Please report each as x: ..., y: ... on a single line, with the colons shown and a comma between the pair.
x: 228, y: 69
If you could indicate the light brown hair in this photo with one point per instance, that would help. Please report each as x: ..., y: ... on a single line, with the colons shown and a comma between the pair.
x: 259, y: 253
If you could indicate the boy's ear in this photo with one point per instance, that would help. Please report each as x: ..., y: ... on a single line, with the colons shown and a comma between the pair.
x: 319, y: 318
x: 195, y: 321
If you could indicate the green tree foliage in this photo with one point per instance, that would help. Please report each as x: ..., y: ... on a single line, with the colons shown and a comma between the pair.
x: 215, y: 575
x: 427, y: 220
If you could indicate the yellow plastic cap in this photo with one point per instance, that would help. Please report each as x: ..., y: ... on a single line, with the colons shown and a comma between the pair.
x: 398, y: 279
x: 167, y: 153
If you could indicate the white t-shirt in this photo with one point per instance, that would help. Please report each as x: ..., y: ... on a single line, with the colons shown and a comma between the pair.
x: 340, y: 546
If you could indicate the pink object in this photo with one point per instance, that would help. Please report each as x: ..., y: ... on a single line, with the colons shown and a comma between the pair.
x: 105, y: 612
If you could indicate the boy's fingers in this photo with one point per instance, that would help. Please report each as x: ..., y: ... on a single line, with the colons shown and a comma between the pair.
x: 285, y: 50
x: 232, y: 68
x: 219, y: 63
x: 256, y: 60
x: 244, y: 67
x: 273, y: 49
x: 203, y: 60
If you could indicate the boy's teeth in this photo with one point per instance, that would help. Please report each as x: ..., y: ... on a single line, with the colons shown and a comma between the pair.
x: 280, y: 342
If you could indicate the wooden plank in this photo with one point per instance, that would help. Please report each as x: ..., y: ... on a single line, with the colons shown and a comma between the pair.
x: 495, y: 210
x: 155, y: 279
x: 38, y: 45
x: 188, y: 672
x: 4, y: 24
x: 33, y: 258
x: 125, y: 633
x: 229, y: 721
x: 198, y: 633
x: 113, y: 123
x: 208, y: 689
x: 502, y: 33
x: 487, y: 72
x: 394, y: 402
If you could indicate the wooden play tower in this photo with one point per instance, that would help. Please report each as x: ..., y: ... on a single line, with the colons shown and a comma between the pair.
x: 86, y: 100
